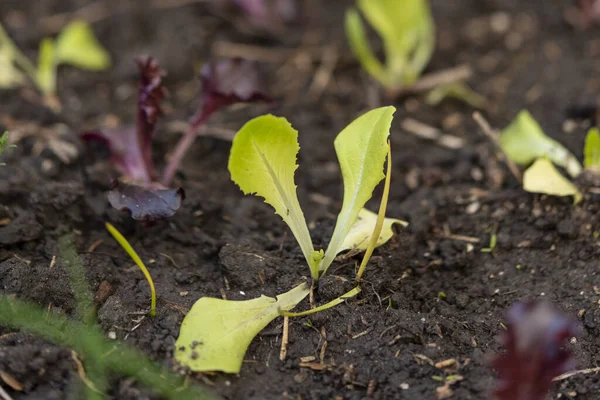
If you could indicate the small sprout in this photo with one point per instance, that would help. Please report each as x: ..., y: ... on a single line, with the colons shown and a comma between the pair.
x: 4, y: 145
x: 535, y: 338
x: 75, y: 45
x: 524, y: 141
x: 138, y: 261
x: 492, y: 246
x: 543, y: 177
x: 456, y: 90
x: 407, y: 30
x: 519, y: 267
x: 438, y: 378
x: 591, y: 151
x: 442, y: 295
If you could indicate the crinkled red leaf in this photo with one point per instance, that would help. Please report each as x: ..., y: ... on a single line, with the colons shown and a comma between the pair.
x: 228, y: 82
x: 535, y: 338
x: 125, y: 152
x: 151, y: 93
x: 148, y: 203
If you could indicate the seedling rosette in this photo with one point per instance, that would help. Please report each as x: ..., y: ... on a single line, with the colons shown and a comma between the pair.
x: 216, y: 333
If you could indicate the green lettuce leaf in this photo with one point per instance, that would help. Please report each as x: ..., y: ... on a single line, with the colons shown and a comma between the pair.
x: 361, y: 149
x: 216, y: 333
x: 77, y: 45
x: 524, y: 141
x: 543, y: 177
x: 591, y: 150
x: 263, y: 161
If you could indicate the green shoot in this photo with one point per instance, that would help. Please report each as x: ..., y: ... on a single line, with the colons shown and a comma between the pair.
x: 492, y: 246
x: 591, y: 150
x: 134, y: 256
x: 4, y: 145
x: 524, y: 141
x: 75, y: 45
x: 407, y: 30
x: 325, y: 306
x: 380, y: 217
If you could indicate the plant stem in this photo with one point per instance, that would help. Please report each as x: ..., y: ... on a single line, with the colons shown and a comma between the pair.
x: 181, y: 149
x: 380, y: 217
x: 325, y: 306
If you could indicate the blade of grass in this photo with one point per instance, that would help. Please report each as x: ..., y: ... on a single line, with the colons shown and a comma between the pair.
x: 380, y: 217
x: 132, y: 253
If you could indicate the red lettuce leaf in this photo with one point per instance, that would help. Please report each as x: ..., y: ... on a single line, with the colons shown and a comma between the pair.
x: 147, y: 203
x: 228, y: 82
x: 534, y: 339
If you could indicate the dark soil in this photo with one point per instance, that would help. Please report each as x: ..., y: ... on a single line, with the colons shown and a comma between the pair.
x: 429, y: 295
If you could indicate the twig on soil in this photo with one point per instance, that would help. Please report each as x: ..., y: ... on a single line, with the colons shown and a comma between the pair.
x: 11, y: 381
x: 429, y: 132
x: 95, y: 245
x: 462, y: 238
x: 4, y: 395
x: 284, y: 338
x: 567, y: 375
x: 444, y: 77
x: 491, y: 134
x: 324, y: 73
x: 81, y: 373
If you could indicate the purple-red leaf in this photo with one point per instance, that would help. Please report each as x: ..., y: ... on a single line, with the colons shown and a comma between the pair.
x: 534, y: 340
x: 151, y: 93
x: 228, y: 82
x: 148, y: 203
x: 125, y: 152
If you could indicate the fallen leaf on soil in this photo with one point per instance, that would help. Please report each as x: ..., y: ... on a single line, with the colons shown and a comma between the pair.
x: 543, y: 177
x: 358, y: 237
x: 216, y: 333
x: 524, y: 141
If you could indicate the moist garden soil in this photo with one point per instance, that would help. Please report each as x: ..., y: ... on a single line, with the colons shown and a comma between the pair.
x: 430, y: 294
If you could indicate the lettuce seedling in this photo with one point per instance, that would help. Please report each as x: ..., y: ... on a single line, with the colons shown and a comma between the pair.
x: 534, y: 340
x: 75, y: 45
x: 216, y: 333
x: 139, y: 190
x: 407, y: 30
x: 4, y: 145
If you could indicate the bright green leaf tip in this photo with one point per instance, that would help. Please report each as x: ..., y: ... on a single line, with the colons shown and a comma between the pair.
x: 591, y: 150
x: 77, y: 45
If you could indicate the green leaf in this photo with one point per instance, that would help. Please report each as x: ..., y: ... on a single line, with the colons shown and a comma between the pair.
x: 524, y: 141
x: 46, y: 72
x: 543, y: 177
x: 591, y: 150
x: 457, y: 90
x: 10, y: 76
x: 216, y: 333
x: 4, y: 145
x: 262, y: 162
x: 358, y: 237
x: 359, y: 44
x: 361, y: 149
x: 77, y: 45
x: 408, y: 33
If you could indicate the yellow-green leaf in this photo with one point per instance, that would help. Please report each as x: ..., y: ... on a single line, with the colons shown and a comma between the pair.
x: 10, y: 76
x: 46, y: 72
x: 216, y: 333
x: 77, y: 45
x: 358, y: 238
x: 524, y: 141
x: 361, y: 149
x: 591, y: 150
x: 263, y: 161
x: 543, y: 177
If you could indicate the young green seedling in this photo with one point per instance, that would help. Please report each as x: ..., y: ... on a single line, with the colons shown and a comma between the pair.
x: 4, y: 145
x: 138, y: 261
x: 407, y: 30
x: 591, y: 151
x: 216, y: 333
x: 75, y: 45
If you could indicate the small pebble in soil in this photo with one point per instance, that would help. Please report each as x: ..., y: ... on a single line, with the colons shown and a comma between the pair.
x: 567, y: 229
